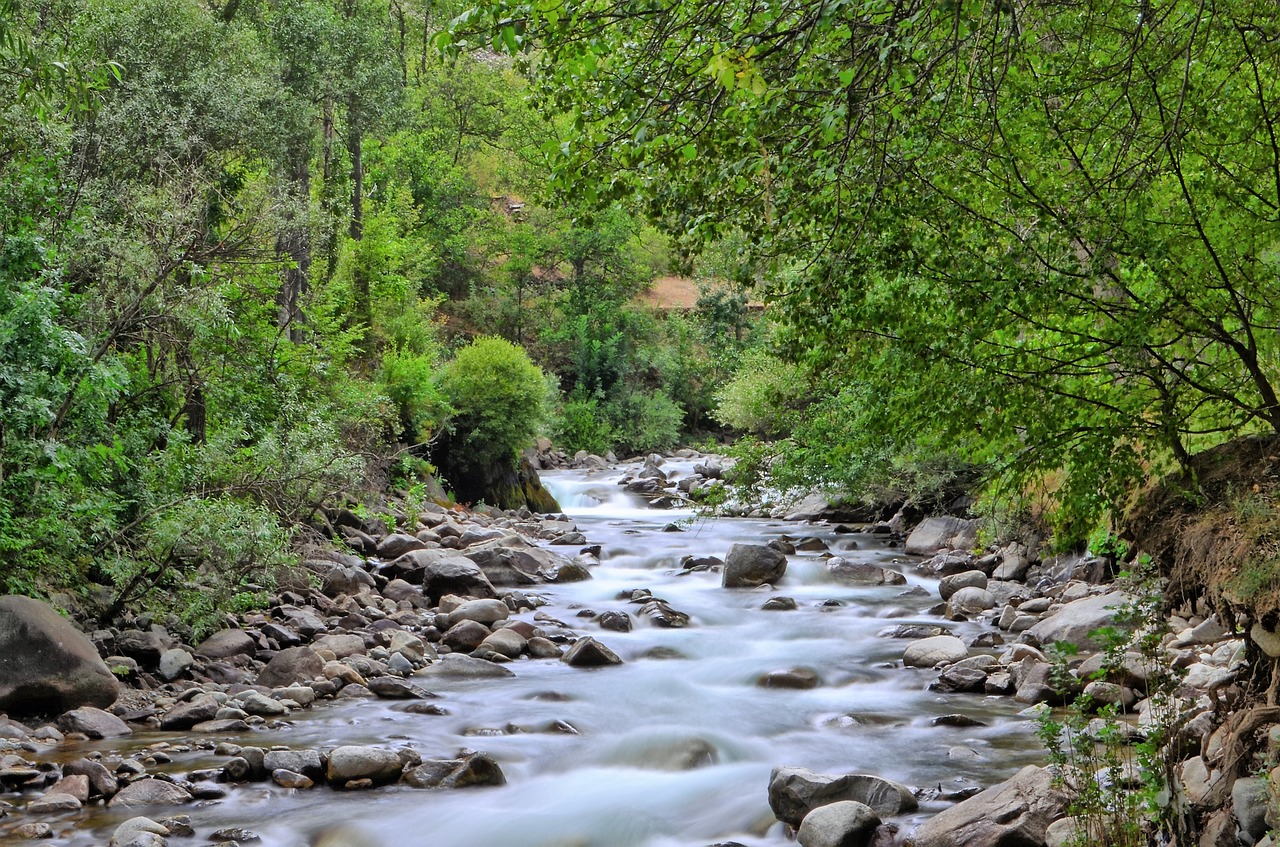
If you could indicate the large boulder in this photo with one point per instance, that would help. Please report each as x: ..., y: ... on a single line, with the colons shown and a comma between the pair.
x: 846, y: 823
x: 296, y: 664
x: 751, y: 565
x: 1075, y: 622
x: 1014, y: 813
x: 795, y: 792
x: 47, y: 665
x: 941, y: 533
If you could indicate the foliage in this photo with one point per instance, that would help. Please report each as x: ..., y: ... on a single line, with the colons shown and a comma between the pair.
x: 497, y: 395
x: 579, y: 424
x: 759, y: 396
x: 645, y: 421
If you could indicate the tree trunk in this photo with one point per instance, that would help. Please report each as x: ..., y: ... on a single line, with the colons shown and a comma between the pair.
x: 293, y: 243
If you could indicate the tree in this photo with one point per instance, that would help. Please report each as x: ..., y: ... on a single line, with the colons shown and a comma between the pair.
x: 1040, y: 236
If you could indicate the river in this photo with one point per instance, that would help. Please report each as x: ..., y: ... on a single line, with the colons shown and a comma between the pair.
x: 675, y: 746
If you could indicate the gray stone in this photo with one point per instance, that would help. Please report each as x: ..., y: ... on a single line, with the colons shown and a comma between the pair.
x: 751, y: 565
x: 1249, y: 797
x: 475, y: 769
x: 101, y: 781
x: 1268, y: 642
x: 928, y: 652
x: 396, y: 545
x: 94, y: 723
x: 487, y: 612
x: 971, y: 600
x: 1012, y: 814
x: 941, y: 533
x: 293, y: 665
x: 949, y: 585
x: 226, y: 643
x: 862, y: 573
x: 341, y: 646
x: 357, y: 762
x: 795, y: 792
x: 174, y: 663
x: 305, y: 762
x: 198, y: 709
x: 507, y: 642
x: 133, y: 827
x: 150, y: 792
x: 845, y: 823
x: 46, y: 664
x: 53, y: 803
x: 457, y: 665
x: 1074, y: 622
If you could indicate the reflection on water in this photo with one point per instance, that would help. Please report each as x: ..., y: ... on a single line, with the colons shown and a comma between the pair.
x: 675, y: 746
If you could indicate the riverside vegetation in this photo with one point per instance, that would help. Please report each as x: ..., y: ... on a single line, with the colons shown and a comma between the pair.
x: 269, y: 272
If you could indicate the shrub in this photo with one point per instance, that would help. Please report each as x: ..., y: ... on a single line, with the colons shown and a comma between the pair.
x: 645, y: 421
x: 408, y: 380
x: 759, y: 395
x: 582, y: 425
x: 498, y: 397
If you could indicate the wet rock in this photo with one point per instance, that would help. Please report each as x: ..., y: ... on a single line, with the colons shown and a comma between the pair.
x: 862, y: 573
x: 53, y: 803
x: 475, y: 769
x: 306, y: 762
x: 928, y: 652
x: 291, y: 779
x: 949, y: 585
x: 239, y: 836
x: 751, y: 565
x: 562, y: 572
x: 795, y: 792
x: 780, y: 604
x: 227, y: 643
x: 217, y: 727
x: 1015, y: 812
x: 150, y: 792
x: 941, y: 533
x: 487, y: 612
x: 458, y: 665
x: 465, y: 636
x: 94, y: 723
x: 913, y: 630
x: 76, y: 785
x: 127, y: 832
x: 294, y: 665
x: 795, y: 678
x: 614, y: 621
x: 589, y: 653
x: 46, y: 664
x: 955, y: 721
x: 659, y: 613
x: 33, y: 831
x: 393, y: 689
x: 353, y: 762
x: 960, y: 679
x: 844, y: 823
x: 543, y: 648
x: 101, y: 782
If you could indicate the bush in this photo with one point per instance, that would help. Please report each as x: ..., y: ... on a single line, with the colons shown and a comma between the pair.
x: 408, y: 379
x: 581, y: 425
x: 760, y: 394
x: 645, y: 421
x: 498, y: 397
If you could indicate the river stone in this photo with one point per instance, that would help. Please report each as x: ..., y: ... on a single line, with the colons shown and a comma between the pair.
x: 844, y: 823
x: 354, y: 762
x: 453, y: 575
x: 1268, y: 642
x: 409, y: 645
x: 928, y: 652
x: 1075, y: 621
x: 507, y: 642
x: 797, y: 678
x: 198, y: 709
x: 614, y: 621
x: 794, y: 792
x: 949, y: 585
x: 941, y: 533
x: 53, y: 803
x: 174, y: 663
x: 751, y: 565
x: 1011, y: 814
x: 101, y: 781
x: 46, y: 664
x: 586, y: 652
x: 259, y: 704
x: 465, y: 636
x: 1249, y: 798
x: 340, y: 646
x: 396, y: 545
x: 143, y: 647
x: 342, y: 580
x: 388, y: 688
x: 289, y: 666
x: 971, y: 600
x: 305, y: 762
x: 150, y: 792
x: 94, y: 723
x: 226, y: 643
x: 568, y: 571
x: 475, y: 769
x: 77, y: 785
x: 458, y: 665
x: 127, y: 831
x: 960, y: 679
x: 487, y: 612
x: 862, y: 573
x: 291, y: 779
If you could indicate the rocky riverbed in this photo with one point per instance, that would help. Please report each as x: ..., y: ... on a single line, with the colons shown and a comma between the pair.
x: 627, y: 675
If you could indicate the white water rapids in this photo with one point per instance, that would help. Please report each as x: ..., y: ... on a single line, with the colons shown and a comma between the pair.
x: 675, y: 746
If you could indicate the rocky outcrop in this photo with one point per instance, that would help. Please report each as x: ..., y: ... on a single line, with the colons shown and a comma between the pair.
x: 941, y: 533
x: 1014, y: 813
x: 47, y: 666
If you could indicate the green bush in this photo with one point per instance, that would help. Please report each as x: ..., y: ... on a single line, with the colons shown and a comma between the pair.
x: 498, y: 396
x: 582, y: 425
x: 645, y: 421
x: 758, y: 397
x: 409, y: 381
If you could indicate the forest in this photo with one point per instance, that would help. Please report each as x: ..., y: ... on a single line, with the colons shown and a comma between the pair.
x: 263, y: 257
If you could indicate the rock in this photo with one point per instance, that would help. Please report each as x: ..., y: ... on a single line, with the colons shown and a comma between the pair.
x: 46, y: 664
x: 795, y: 792
x: 1074, y: 622
x: 145, y: 647
x: 76, y: 785
x: 795, y: 678
x: 614, y: 621
x: 357, y: 762
x: 486, y: 612
x: 1268, y: 642
x: 1205, y: 788
x: 751, y: 565
x: 844, y: 823
x: 458, y: 665
x: 465, y: 636
x: 94, y: 723
x: 198, y: 709
x: 475, y: 769
x: 53, y: 803
x: 174, y: 663
x: 342, y: 580
x: 941, y: 533
x: 293, y: 665
x: 291, y: 779
x: 862, y: 573
x: 226, y: 643
x: 126, y: 831
x: 971, y: 600
x: 949, y: 585
x: 101, y: 781
x: 259, y: 704
x: 1249, y: 798
x: 341, y: 646
x: 1014, y: 813
x: 150, y: 792
x: 928, y: 652
x: 506, y: 642
x: 589, y: 653
x: 960, y: 679
x: 396, y: 545
x: 393, y: 689
x: 453, y: 575
x: 305, y: 762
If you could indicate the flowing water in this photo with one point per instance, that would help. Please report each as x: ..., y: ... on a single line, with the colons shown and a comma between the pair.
x: 675, y: 746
